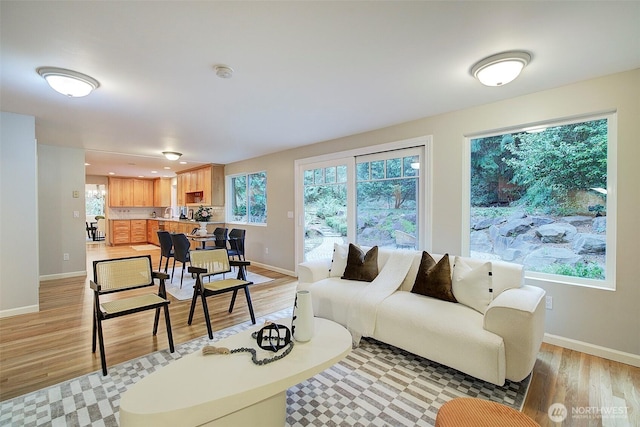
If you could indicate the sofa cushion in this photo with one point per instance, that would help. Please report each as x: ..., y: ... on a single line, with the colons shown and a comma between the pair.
x: 360, y: 265
x: 472, y: 286
x: 331, y: 298
x: 451, y: 334
x: 339, y: 260
x: 434, y: 279
x: 506, y: 275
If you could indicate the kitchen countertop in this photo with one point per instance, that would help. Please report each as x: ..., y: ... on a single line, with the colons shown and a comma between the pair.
x: 186, y: 221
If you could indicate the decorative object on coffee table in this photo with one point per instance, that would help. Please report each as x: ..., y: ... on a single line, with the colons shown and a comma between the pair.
x: 302, y: 321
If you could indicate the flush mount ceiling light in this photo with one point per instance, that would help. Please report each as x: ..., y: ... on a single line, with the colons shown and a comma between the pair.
x: 68, y: 82
x: 223, y: 71
x: 172, y: 155
x: 500, y: 69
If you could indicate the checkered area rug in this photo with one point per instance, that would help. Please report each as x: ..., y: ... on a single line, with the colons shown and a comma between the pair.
x: 375, y: 385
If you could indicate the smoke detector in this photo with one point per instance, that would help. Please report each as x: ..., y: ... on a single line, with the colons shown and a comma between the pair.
x: 223, y: 71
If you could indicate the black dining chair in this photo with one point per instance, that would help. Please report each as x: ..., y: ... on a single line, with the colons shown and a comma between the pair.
x: 166, y: 248
x: 221, y: 237
x: 91, y: 230
x: 180, y: 253
x: 236, y: 243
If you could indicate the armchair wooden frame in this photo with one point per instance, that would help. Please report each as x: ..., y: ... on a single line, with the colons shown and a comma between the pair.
x: 121, y: 275
x: 212, y: 262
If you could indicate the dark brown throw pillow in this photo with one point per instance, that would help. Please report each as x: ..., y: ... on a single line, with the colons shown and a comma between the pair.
x: 361, y: 266
x: 434, y: 279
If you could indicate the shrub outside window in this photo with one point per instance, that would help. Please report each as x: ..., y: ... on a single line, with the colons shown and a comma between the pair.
x: 538, y: 197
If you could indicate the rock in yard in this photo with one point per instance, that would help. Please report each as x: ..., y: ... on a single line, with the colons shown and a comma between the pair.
x: 543, y: 257
x: 556, y: 233
x: 590, y: 244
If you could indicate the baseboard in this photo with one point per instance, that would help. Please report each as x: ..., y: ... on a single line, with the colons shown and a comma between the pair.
x: 276, y: 269
x: 62, y: 275
x: 20, y: 310
x: 593, y: 349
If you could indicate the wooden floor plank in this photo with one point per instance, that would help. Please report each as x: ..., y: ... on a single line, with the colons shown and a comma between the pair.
x: 53, y: 345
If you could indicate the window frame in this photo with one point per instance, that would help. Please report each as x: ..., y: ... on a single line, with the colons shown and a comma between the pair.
x: 426, y: 219
x: 230, y: 195
x: 531, y: 277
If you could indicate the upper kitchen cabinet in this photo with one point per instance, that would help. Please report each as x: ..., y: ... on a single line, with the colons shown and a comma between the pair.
x: 162, y: 192
x: 201, y: 186
x: 130, y: 192
x: 120, y: 192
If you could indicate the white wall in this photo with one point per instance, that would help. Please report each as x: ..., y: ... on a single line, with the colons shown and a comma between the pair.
x: 19, y: 283
x: 594, y: 317
x: 61, y: 172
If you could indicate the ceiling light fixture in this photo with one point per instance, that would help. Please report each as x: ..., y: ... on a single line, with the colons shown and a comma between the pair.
x: 67, y: 82
x: 172, y: 155
x: 500, y: 69
x: 223, y: 71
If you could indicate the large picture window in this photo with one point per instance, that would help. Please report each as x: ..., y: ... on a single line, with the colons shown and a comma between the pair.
x: 541, y: 197
x: 248, y: 198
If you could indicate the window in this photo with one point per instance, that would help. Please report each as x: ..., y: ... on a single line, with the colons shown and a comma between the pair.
x: 248, y: 198
x: 94, y: 197
x: 539, y: 197
x: 371, y: 196
x: 387, y: 188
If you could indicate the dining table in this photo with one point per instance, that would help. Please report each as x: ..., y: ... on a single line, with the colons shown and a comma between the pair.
x: 203, y: 239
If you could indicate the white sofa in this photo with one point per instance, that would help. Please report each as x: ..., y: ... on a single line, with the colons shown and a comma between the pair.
x: 500, y: 344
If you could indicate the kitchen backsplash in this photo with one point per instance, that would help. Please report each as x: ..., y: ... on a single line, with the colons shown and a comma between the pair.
x: 217, y: 213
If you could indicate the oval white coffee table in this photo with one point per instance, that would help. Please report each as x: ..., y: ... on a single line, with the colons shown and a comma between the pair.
x: 230, y: 389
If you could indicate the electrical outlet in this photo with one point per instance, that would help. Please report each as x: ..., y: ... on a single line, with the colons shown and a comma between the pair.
x: 548, y: 302
x: 65, y: 257
x: 266, y: 251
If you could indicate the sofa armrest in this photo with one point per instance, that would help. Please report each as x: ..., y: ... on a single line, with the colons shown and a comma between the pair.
x: 312, y: 271
x: 517, y: 315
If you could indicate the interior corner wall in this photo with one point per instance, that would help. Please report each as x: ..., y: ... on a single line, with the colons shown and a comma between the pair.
x: 19, y: 284
x: 598, y: 317
x: 61, y: 173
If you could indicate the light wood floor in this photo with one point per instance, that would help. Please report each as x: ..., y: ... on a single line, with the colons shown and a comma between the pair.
x: 53, y: 345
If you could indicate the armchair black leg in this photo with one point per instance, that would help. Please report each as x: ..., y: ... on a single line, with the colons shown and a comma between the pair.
x: 196, y: 292
x: 155, y: 321
x: 246, y: 293
x: 169, y: 333
x: 103, y: 357
x: 93, y: 347
x: 205, y: 308
x: 233, y: 300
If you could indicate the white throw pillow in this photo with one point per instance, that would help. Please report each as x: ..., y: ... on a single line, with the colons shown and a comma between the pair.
x: 472, y: 286
x: 339, y: 260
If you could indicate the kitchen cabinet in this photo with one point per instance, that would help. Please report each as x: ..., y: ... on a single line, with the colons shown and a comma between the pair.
x: 119, y: 231
x: 152, y: 232
x: 128, y: 231
x: 130, y: 192
x: 138, y: 231
x: 201, y: 186
x: 142, y: 193
x: 120, y: 192
x: 162, y: 192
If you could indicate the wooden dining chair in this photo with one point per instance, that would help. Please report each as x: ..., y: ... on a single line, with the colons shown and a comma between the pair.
x: 123, y: 275
x: 210, y: 263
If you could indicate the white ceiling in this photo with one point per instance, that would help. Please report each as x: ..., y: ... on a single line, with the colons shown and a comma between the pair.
x: 304, y: 71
